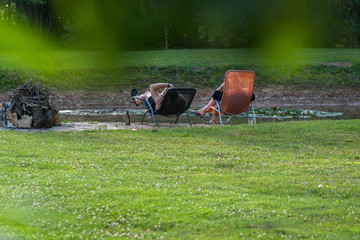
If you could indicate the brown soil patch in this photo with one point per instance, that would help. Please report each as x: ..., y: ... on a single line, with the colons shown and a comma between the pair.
x: 265, y: 97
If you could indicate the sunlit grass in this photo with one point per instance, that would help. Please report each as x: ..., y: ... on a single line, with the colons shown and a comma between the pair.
x: 275, y: 180
x: 193, y: 68
x: 59, y: 60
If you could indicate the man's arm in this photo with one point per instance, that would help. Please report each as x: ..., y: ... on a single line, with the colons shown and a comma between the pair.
x: 157, y: 86
x: 153, y: 90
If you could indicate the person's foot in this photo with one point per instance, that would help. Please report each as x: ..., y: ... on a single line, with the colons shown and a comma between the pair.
x: 201, y: 112
x: 197, y: 114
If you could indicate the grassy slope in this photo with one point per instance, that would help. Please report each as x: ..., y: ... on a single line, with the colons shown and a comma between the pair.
x: 270, y: 181
x: 92, y: 70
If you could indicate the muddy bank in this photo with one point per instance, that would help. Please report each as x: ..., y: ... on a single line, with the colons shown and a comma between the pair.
x: 343, y: 100
x: 82, y: 126
x: 265, y: 97
x: 346, y: 101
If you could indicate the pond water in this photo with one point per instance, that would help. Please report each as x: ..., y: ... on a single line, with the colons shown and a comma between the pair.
x: 262, y: 114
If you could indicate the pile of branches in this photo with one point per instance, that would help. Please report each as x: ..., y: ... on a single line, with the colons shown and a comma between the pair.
x: 33, y: 99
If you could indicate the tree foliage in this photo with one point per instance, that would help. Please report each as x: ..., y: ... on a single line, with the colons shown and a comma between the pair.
x: 154, y: 24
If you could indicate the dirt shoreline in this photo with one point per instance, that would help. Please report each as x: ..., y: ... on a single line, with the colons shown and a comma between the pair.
x: 265, y: 97
x: 343, y: 100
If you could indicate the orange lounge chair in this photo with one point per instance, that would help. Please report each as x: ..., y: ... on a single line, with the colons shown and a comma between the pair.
x: 237, y: 96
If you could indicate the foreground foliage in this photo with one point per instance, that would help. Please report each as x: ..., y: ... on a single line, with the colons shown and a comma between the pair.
x: 216, y: 24
x: 275, y: 180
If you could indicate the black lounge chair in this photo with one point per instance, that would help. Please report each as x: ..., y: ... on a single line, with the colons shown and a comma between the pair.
x: 169, y: 108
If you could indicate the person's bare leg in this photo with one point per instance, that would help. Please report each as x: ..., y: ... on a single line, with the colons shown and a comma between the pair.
x: 202, y: 111
x: 212, y: 102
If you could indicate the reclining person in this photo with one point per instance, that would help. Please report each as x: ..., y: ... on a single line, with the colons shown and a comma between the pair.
x: 155, y: 98
x: 217, y: 95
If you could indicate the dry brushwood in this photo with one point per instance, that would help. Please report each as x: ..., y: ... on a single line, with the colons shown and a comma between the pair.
x: 32, y: 99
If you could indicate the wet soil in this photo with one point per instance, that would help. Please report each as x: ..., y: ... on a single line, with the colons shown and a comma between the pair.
x: 339, y: 100
x: 346, y: 101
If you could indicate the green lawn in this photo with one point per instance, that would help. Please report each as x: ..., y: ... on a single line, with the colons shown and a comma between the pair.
x: 93, y: 70
x: 56, y: 60
x: 289, y: 180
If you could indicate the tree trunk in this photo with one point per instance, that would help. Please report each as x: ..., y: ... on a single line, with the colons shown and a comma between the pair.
x: 41, y: 10
x: 49, y: 24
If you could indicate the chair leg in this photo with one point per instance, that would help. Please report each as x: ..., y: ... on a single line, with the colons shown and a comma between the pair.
x: 252, y: 106
x: 154, y: 119
x: 177, y: 117
x: 215, y: 120
x: 188, y: 115
x: 219, y: 111
x: 153, y: 116
x: 142, y: 120
x: 246, y: 117
x: 220, y: 119
x: 212, y: 118
x: 152, y: 112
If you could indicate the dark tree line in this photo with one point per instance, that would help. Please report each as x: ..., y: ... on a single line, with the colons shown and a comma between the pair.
x: 158, y: 24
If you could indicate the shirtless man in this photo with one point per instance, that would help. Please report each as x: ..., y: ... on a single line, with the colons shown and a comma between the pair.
x: 153, y: 96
